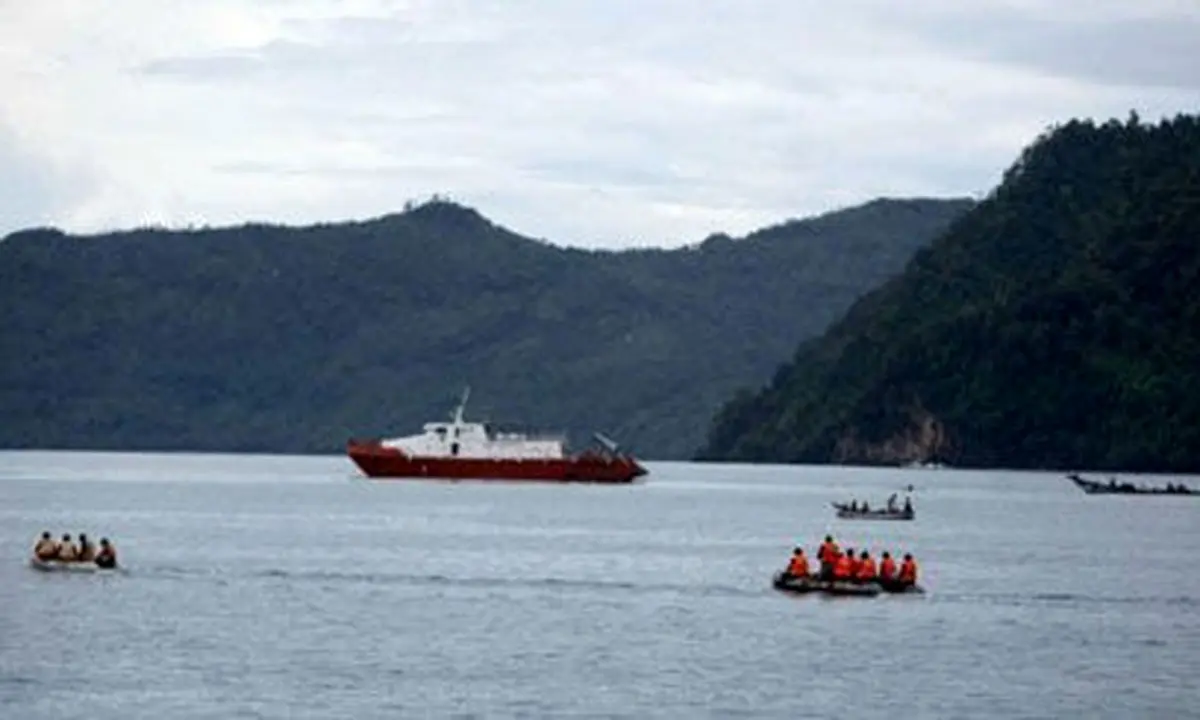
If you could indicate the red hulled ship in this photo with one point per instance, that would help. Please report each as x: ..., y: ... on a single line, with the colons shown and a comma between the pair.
x: 460, y: 450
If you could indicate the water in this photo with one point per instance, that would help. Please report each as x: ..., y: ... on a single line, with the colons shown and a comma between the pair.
x: 285, y: 587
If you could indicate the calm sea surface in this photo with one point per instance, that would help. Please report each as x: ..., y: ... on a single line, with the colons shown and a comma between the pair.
x: 288, y: 587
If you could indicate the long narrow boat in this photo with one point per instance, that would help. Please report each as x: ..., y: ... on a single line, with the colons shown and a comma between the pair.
x: 846, y: 512
x: 1112, y: 487
x: 460, y: 450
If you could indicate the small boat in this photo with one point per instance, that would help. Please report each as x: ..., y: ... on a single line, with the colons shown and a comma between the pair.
x: 811, y: 583
x: 460, y: 450
x: 846, y: 512
x: 1112, y: 487
x: 68, y: 567
x: 895, y: 587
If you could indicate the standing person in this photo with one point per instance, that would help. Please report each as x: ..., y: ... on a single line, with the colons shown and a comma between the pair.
x: 827, y: 555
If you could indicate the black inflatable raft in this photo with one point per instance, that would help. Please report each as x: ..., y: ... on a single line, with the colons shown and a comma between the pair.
x: 813, y: 584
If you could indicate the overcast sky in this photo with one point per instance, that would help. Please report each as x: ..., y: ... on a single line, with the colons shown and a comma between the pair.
x: 600, y: 123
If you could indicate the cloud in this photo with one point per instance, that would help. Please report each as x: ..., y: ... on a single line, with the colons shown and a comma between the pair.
x: 32, y: 191
x: 648, y: 122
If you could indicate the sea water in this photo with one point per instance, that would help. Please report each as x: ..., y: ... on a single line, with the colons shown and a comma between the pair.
x: 291, y: 587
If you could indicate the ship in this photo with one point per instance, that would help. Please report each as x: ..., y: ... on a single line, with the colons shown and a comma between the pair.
x: 461, y: 450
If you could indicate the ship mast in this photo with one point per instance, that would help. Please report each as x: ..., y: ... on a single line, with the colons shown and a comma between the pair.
x: 458, y: 411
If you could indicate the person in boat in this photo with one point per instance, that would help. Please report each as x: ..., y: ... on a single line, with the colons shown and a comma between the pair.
x: 827, y: 556
x: 87, y: 551
x: 843, y: 567
x: 892, y: 503
x: 46, y: 548
x: 67, y: 552
x: 865, y: 572
x: 887, y: 567
x: 907, y: 506
x: 908, y: 571
x: 106, y: 556
x: 866, y: 508
x: 853, y: 558
x: 798, y: 565
x: 853, y: 506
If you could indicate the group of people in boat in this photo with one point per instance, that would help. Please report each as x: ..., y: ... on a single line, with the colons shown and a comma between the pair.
x: 66, y: 550
x: 846, y: 566
x: 864, y: 507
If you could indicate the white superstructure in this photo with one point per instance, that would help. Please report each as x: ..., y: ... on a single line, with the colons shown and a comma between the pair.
x: 460, y: 439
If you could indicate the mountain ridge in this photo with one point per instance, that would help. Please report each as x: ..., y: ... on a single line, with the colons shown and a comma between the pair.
x: 265, y: 338
x: 1052, y: 326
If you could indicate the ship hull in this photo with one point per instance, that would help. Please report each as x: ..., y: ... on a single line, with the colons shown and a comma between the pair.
x: 377, y: 461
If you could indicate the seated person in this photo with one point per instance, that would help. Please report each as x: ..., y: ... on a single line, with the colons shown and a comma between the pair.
x: 843, y: 568
x: 106, y: 557
x: 908, y: 571
x: 866, y: 568
x: 887, y: 567
x: 67, y: 552
x: 798, y: 566
x: 46, y: 548
x: 87, y: 551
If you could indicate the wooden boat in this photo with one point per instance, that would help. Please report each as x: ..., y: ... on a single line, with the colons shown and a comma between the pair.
x: 68, y: 567
x: 1112, y: 487
x: 845, y: 512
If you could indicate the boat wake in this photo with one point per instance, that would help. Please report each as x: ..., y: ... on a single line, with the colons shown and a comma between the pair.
x: 412, y: 579
x: 1019, y: 599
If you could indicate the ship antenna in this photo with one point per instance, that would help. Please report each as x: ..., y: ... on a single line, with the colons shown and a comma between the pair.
x: 458, y: 411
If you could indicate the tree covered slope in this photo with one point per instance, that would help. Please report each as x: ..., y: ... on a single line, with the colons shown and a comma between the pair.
x: 283, y: 339
x: 1055, y: 325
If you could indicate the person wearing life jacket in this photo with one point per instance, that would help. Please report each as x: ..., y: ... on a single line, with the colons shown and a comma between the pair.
x: 853, y: 558
x: 908, y: 571
x: 827, y: 556
x: 87, y: 551
x: 866, y: 568
x: 887, y: 567
x: 46, y: 548
x: 106, y: 556
x: 843, y: 567
x: 798, y: 566
x: 67, y: 552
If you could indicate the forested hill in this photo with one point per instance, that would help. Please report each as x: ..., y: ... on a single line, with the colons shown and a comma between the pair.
x: 1055, y: 325
x: 280, y: 339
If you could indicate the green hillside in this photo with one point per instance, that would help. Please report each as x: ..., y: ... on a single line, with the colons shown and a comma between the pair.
x: 1055, y: 325
x: 282, y: 339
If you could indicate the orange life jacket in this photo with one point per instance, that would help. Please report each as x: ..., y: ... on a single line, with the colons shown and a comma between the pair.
x: 798, y: 567
x: 887, y: 569
x: 908, y: 571
x: 843, y: 568
x: 866, y: 569
x: 854, y: 564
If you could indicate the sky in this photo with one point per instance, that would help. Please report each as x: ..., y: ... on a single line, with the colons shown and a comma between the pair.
x: 590, y: 123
